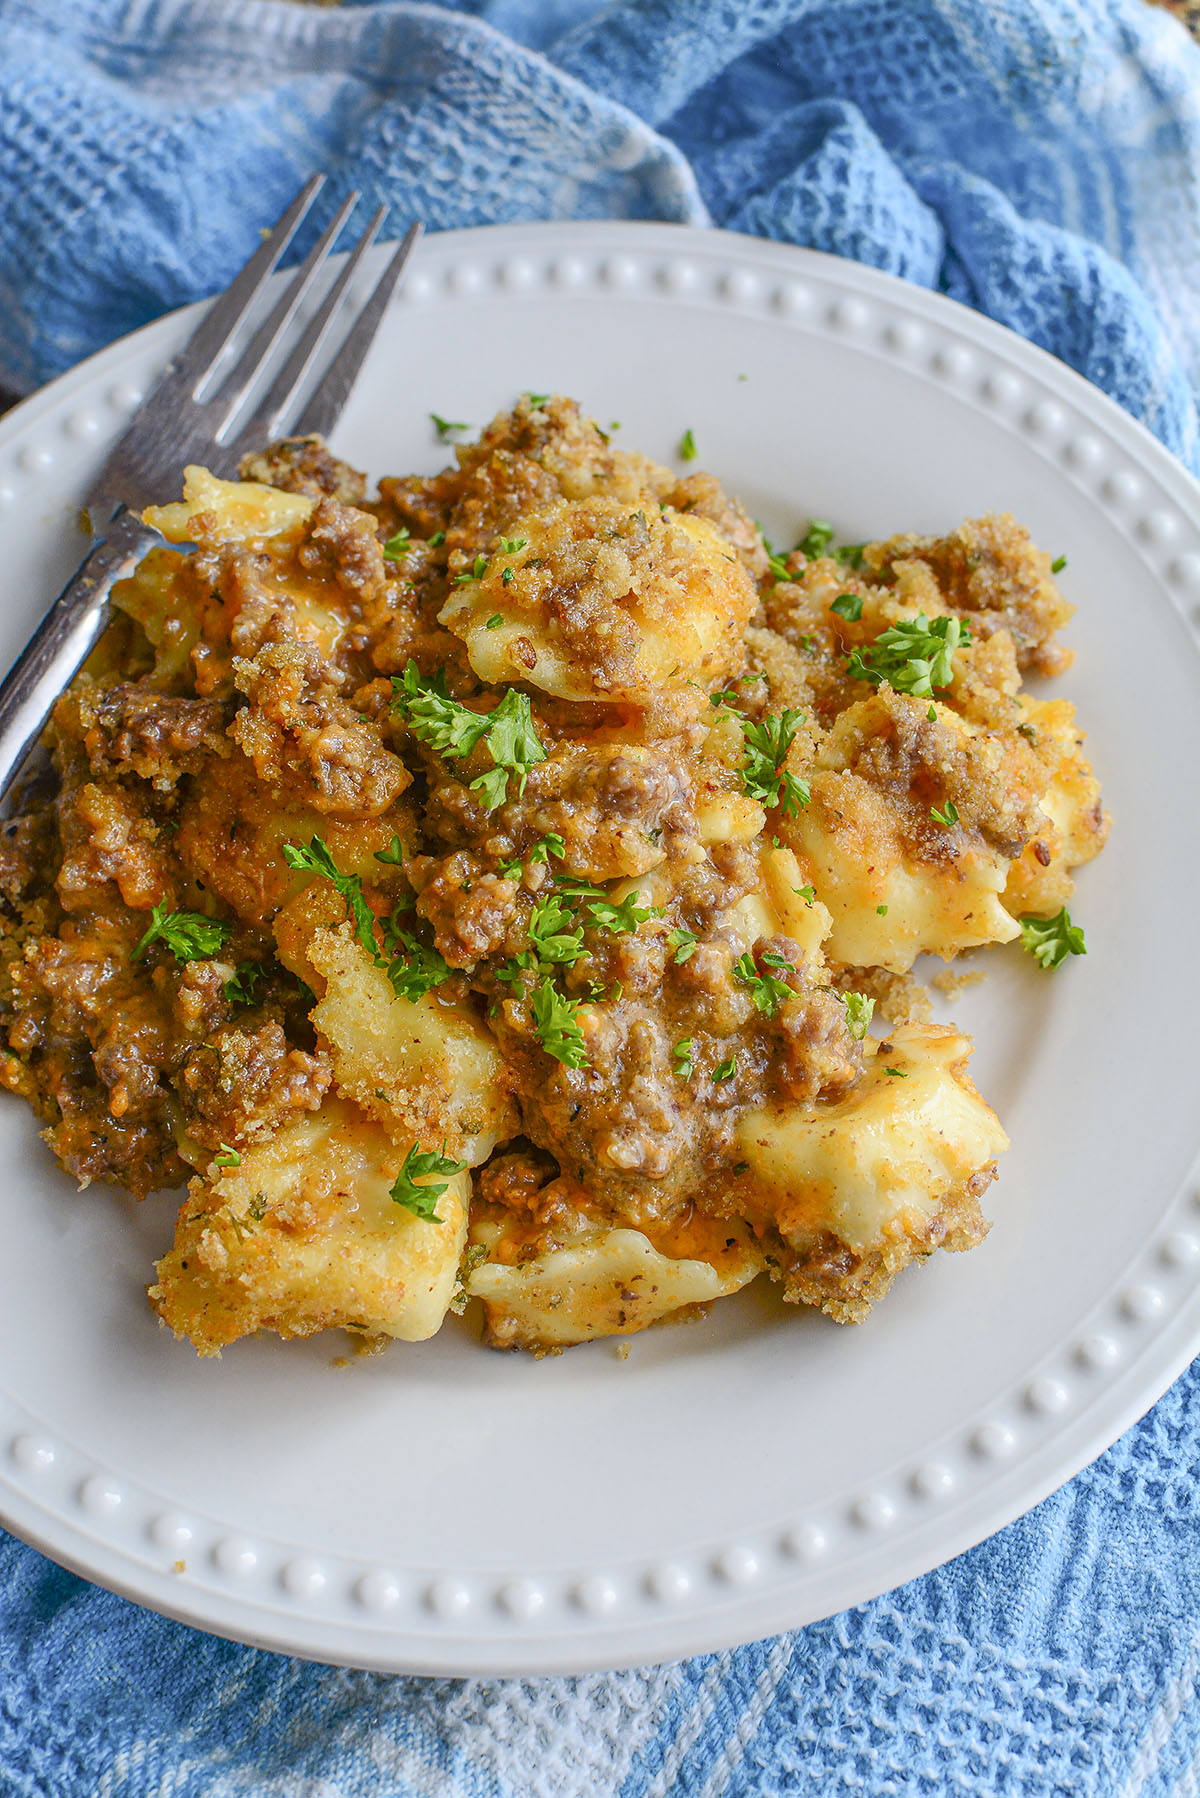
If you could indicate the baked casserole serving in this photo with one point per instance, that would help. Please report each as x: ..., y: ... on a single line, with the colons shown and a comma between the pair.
x: 485, y: 889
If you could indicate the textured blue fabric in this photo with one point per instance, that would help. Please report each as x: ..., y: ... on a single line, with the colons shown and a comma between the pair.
x: 1038, y: 159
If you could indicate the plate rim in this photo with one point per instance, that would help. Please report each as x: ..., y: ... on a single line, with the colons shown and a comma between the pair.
x: 1113, y: 1407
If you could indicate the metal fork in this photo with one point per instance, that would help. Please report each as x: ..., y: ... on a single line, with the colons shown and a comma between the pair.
x: 197, y: 412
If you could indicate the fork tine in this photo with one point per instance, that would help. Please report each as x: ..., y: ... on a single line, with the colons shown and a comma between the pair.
x: 254, y: 358
x: 224, y: 317
x: 325, y: 405
x: 267, y: 418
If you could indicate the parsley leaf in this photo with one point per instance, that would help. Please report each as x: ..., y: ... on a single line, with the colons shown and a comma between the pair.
x: 848, y: 606
x: 850, y: 555
x: 227, y: 1158
x: 554, y: 1020
x: 914, y: 656
x: 1051, y: 940
x: 948, y: 817
x: 687, y: 447
x: 725, y: 1070
x: 681, y: 1055
x: 433, y: 717
x: 189, y: 935
x: 445, y: 427
x: 767, y: 990
x: 515, y: 747
x: 419, y: 1164
x: 393, y: 854
x: 896, y: 1073
x: 683, y: 942
x: 537, y: 401
x: 551, y: 940
x: 242, y: 986
x: 414, y: 969
x: 763, y: 776
x: 475, y: 572
x: 511, y: 545
x: 624, y: 917
x: 436, y: 541
x: 1058, y: 564
x: 816, y: 539
x: 397, y: 546
x: 316, y: 859
x: 859, y: 1012
x: 496, y: 619
x: 808, y: 894
x: 551, y: 844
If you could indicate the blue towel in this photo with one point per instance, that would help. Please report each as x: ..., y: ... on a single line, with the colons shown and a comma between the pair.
x: 1039, y: 159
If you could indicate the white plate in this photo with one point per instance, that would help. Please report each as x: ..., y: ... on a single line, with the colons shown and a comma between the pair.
x: 441, y: 1508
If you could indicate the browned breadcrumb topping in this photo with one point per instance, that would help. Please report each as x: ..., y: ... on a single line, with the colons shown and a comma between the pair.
x: 250, y: 698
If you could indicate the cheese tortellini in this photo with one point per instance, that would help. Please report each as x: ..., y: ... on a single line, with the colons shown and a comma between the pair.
x: 501, y: 895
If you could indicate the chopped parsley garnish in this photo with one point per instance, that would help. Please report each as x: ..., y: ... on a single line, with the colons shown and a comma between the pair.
x: 767, y: 989
x: 512, y: 545
x: 495, y: 621
x: 1051, y: 940
x: 725, y: 1070
x: 687, y: 447
x: 549, y: 936
x: 393, y: 854
x: 189, y: 935
x: 896, y: 1073
x: 859, y: 1012
x: 808, y: 894
x: 882, y: 910
x: 414, y: 969
x: 681, y: 1055
x: 419, y: 1164
x: 932, y: 714
x: 554, y: 1020
x: 454, y: 730
x: 515, y: 747
x: 684, y: 943
x: 243, y: 985
x: 914, y: 656
x: 537, y: 401
x: 475, y: 572
x: 506, y: 580
x: 227, y: 1158
x: 621, y: 918
x: 445, y: 427
x: 435, y: 718
x: 316, y: 859
x: 1058, y: 564
x: 816, y: 539
x: 948, y: 817
x: 397, y: 545
x: 850, y: 555
x: 551, y: 844
x: 763, y: 775
x: 436, y: 541
x: 848, y: 606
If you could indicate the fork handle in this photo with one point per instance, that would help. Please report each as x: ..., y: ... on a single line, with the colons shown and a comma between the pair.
x: 63, y: 641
